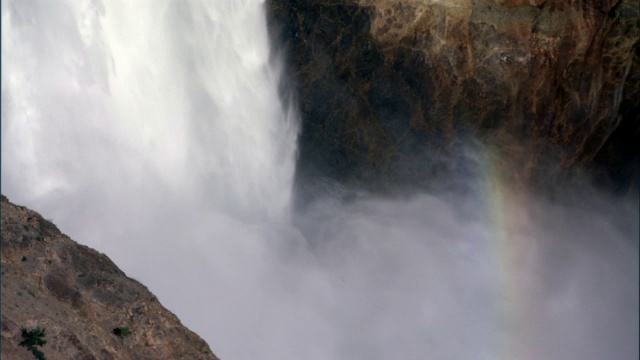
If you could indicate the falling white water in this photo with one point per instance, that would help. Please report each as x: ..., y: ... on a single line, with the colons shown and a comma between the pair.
x: 152, y: 131
x: 178, y: 93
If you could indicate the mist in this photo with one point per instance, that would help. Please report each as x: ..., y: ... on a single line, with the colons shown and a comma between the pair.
x: 152, y: 132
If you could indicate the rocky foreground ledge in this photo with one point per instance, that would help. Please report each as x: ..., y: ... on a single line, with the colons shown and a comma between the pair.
x: 87, y: 306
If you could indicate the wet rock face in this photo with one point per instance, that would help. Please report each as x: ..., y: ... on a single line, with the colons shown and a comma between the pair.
x: 393, y: 90
x: 79, y: 297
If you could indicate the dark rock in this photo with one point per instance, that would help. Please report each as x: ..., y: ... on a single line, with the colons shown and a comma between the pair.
x: 395, y: 92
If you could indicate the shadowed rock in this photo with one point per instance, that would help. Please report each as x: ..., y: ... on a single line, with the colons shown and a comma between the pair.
x: 394, y: 91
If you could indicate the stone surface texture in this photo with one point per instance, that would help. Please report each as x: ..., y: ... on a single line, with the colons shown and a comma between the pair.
x: 386, y: 88
x: 79, y: 296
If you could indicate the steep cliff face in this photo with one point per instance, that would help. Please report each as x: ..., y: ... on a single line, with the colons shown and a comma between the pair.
x: 86, y: 305
x: 395, y: 89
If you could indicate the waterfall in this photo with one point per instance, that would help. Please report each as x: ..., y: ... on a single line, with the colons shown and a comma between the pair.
x: 180, y: 94
x: 153, y: 131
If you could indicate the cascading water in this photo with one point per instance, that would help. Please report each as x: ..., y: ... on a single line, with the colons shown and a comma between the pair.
x: 153, y: 131
x: 141, y: 125
x: 179, y: 92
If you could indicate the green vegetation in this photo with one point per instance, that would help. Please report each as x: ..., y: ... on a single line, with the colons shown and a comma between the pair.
x: 24, y: 258
x: 33, y: 338
x: 122, y: 332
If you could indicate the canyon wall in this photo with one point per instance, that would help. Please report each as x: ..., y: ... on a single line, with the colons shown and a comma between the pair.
x: 396, y: 90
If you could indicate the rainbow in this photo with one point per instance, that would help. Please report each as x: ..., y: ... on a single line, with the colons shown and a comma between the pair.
x: 514, y: 246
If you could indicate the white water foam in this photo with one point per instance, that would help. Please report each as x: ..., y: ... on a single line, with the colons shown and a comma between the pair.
x: 179, y: 94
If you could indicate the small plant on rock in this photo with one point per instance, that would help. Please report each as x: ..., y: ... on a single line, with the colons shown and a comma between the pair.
x: 122, y: 332
x: 33, y: 338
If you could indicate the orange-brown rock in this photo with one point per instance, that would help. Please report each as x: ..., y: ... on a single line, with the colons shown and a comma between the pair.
x: 547, y: 86
x: 79, y: 297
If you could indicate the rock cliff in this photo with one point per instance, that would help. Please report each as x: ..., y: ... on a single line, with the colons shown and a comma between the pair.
x: 88, y: 307
x: 395, y: 90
